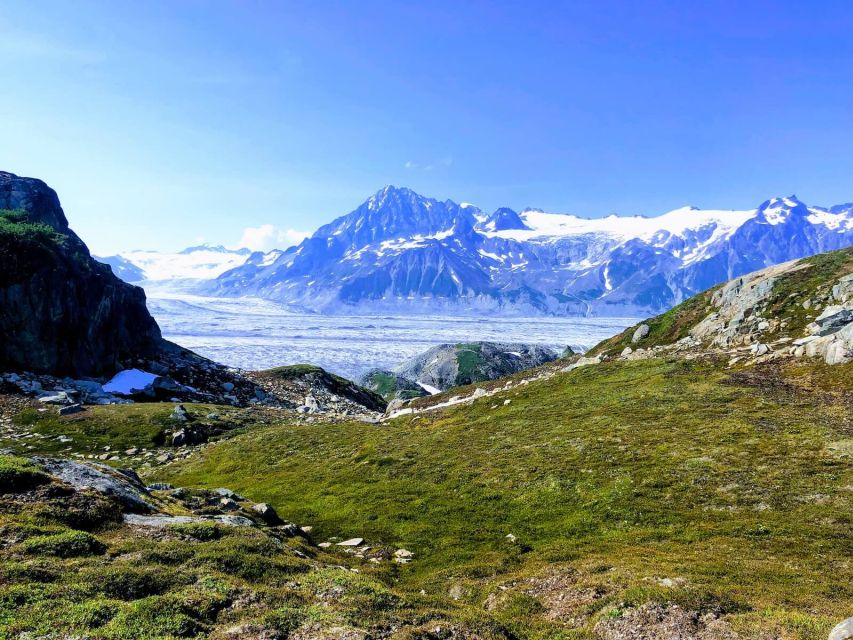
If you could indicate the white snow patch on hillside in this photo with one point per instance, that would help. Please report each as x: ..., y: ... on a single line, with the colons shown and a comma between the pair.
x: 130, y: 380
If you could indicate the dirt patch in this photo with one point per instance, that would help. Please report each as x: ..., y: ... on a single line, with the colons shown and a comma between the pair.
x: 562, y: 598
x: 659, y: 622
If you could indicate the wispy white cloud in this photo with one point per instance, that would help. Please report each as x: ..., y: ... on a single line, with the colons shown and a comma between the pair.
x: 446, y: 161
x: 267, y: 237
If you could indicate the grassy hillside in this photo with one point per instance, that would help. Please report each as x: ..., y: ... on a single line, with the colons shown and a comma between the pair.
x: 725, y: 491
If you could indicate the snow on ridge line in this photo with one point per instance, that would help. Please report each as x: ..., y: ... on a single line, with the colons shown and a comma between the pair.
x: 676, y: 222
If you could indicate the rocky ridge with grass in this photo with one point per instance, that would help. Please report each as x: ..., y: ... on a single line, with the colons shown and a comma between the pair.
x: 802, y: 308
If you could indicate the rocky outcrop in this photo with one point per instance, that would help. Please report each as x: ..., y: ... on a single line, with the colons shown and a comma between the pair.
x: 802, y: 308
x: 65, y: 316
x: 451, y: 365
x: 126, y: 488
x: 62, y: 312
x: 314, y: 390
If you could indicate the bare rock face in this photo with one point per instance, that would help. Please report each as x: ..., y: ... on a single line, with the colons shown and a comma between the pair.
x: 61, y: 312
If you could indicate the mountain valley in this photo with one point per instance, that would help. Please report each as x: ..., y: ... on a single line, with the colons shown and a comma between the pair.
x: 689, y: 477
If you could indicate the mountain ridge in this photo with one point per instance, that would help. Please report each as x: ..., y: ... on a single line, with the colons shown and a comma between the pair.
x: 402, y: 251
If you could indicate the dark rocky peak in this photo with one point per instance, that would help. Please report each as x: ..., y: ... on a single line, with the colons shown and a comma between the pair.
x: 34, y: 197
x: 391, y: 213
x: 842, y: 208
x: 503, y: 219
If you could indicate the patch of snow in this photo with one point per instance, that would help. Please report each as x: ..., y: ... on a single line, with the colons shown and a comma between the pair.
x: 130, y: 380
x: 270, y: 258
x: 558, y: 225
x: 429, y: 388
x: 486, y: 254
x: 834, y: 221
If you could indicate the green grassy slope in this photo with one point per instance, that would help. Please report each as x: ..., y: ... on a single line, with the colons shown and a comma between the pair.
x: 648, y: 481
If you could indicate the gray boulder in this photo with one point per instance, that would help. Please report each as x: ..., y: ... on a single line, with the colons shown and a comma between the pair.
x: 100, y: 478
x: 842, y: 631
x: 267, y: 512
x: 641, y: 332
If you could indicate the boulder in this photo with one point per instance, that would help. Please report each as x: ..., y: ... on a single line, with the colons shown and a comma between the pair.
x: 267, y: 512
x: 70, y: 409
x: 162, y: 521
x: 842, y: 631
x: 831, y: 320
x: 56, y: 398
x: 100, y: 478
x: 227, y: 493
x: 641, y: 332
x: 180, y: 414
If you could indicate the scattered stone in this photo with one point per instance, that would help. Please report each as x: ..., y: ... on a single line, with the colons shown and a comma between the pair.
x: 228, y: 386
x: 352, y: 542
x: 160, y: 486
x: 759, y: 349
x: 403, y: 556
x: 70, y: 409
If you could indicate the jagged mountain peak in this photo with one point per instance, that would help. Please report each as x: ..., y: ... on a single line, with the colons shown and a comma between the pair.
x: 503, y: 219
x: 400, y: 250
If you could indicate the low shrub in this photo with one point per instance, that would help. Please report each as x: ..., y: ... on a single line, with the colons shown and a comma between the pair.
x: 19, y: 474
x: 68, y: 544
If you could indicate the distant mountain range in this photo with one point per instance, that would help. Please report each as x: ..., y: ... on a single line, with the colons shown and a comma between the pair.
x: 202, y: 262
x: 402, y: 252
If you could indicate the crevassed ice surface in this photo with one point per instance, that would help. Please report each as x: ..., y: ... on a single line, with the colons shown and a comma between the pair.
x: 251, y: 333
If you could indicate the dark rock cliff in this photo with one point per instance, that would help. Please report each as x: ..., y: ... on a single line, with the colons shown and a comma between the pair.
x: 62, y: 312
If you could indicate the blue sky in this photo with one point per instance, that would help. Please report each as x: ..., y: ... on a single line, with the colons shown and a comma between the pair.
x: 162, y: 123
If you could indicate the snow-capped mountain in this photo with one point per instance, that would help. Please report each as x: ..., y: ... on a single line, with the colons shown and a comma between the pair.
x: 202, y: 262
x: 400, y: 251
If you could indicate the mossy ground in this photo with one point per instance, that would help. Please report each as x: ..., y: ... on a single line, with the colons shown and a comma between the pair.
x: 118, y: 427
x: 732, y: 484
x: 722, y: 490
